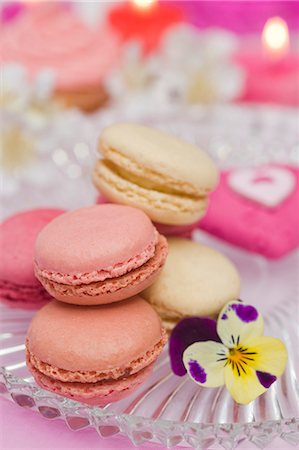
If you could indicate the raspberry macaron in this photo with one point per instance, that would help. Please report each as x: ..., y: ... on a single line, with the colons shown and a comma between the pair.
x: 19, y: 287
x: 98, y: 255
x: 94, y: 354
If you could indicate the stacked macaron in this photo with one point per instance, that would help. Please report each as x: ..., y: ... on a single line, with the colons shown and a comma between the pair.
x: 106, y: 268
x: 98, y: 340
x: 167, y: 178
x: 100, y: 254
x: 170, y: 180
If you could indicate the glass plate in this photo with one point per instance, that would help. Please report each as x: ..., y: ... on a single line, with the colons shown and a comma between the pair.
x: 172, y: 410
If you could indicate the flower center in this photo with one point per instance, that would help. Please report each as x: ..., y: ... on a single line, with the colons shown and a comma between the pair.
x: 240, y: 359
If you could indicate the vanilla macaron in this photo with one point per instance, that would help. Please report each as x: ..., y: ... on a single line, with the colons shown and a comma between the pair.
x: 167, y: 178
x: 195, y: 281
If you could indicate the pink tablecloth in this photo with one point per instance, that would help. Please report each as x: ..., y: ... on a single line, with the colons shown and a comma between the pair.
x: 25, y: 429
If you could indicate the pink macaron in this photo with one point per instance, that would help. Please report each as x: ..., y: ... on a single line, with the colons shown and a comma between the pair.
x: 19, y: 287
x: 94, y: 354
x: 100, y: 254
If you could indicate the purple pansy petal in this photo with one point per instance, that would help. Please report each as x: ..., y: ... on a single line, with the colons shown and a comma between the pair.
x: 205, y: 363
x: 238, y: 322
x: 265, y: 378
x: 186, y: 332
x: 245, y: 313
x: 197, y: 372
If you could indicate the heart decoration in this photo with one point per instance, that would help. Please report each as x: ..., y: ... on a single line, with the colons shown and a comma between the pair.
x: 267, y: 185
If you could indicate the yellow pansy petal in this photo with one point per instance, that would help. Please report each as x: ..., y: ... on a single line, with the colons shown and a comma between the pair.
x: 270, y: 355
x: 243, y: 388
x: 238, y: 322
x: 253, y: 367
x: 205, y: 362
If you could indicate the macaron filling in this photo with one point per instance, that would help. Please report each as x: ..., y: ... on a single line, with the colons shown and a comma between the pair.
x: 13, y: 293
x: 148, y: 178
x: 103, y: 175
x: 111, y: 285
x: 97, y: 394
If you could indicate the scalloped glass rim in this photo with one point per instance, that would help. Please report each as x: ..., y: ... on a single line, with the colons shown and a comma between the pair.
x: 222, y: 130
x: 140, y: 429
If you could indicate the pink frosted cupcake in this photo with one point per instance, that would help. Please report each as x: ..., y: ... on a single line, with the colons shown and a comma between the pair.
x: 49, y: 36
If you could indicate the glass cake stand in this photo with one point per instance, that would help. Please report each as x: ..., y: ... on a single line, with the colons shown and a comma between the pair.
x: 171, y: 410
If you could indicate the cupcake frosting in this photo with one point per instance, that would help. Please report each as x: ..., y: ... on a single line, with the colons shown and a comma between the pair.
x: 53, y: 37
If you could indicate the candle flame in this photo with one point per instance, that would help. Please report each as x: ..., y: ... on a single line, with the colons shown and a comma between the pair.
x: 143, y: 4
x: 275, y: 36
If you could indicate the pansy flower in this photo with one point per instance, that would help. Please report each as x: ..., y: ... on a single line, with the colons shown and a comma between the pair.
x: 232, y: 351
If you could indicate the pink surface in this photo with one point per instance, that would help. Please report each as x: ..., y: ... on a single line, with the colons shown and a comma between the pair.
x: 18, y: 233
x: 95, y: 243
x: 52, y: 36
x: 55, y: 435
x: 271, y: 231
x: 9, y: 11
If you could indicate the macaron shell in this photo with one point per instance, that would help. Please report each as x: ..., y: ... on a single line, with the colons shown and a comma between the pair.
x: 161, y: 207
x: 162, y: 153
x: 24, y: 297
x: 96, y: 376
x: 17, y: 237
x: 115, y: 289
x: 83, y: 242
x: 78, y: 338
x: 96, y: 394
x: 183, y: 231
x: 195, y: 281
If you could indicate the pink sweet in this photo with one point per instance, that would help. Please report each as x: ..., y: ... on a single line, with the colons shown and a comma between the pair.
x: 18, y: 284
x: 50, y: 36
x: 94, y: 354
x: 99, y: 254
x: 269, y: 81
x: 257, y: 209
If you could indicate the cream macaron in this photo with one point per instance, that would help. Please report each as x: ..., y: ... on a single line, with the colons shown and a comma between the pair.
x: 195, y: 281
x: 167, y: 178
